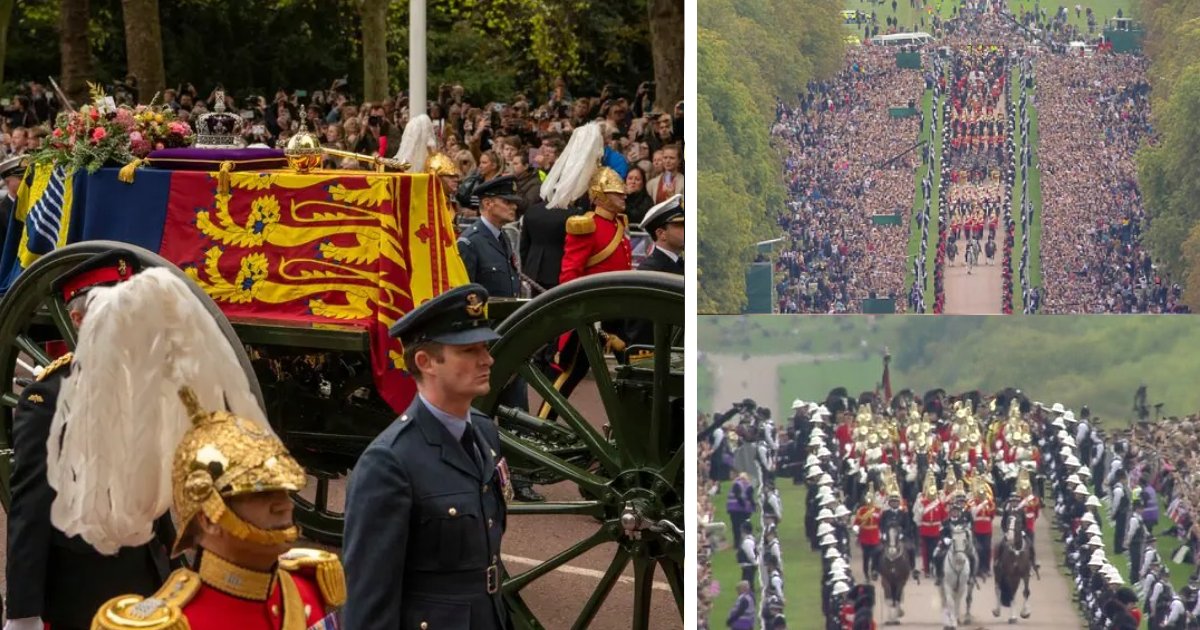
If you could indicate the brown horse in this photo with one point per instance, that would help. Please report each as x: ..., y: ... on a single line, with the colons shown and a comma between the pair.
x: 894, y: 570
x: 1013, y: 566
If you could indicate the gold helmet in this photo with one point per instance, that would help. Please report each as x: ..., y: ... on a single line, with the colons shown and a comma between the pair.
x: 950, y: 483
x: 1024, y: 488
x: 871, y: 497
x: 605, y: 180
x: 224, y: 456
x: 981, y: 487
x: 441, y: 164
x: 931, y: 488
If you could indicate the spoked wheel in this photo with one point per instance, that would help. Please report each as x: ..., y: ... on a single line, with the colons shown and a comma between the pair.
x: 628, y: 462
x: 32, y: 315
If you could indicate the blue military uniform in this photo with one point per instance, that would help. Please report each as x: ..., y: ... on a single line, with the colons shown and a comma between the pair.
x: 485, y: 251
x: 425, y: 510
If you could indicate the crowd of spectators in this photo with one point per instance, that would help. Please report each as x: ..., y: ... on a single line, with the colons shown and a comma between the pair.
x: 847, y: 161
x: 1093, y: 222
x: 521, y: 137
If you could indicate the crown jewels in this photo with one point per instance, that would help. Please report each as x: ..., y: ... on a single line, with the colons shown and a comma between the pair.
x: 219, y: 129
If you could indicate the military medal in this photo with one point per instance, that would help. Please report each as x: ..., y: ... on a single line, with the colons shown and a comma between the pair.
x: 505, y: 480
x: 329, y: 622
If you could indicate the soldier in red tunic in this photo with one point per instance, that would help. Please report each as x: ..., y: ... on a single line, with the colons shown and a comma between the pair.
x: 229, y: 477
x: 597, y: 241
x: 930, y: 513
x: 866, y: 519
x: 983, y: 510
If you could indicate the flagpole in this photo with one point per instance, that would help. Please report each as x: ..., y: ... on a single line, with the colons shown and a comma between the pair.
x: 417, y: 88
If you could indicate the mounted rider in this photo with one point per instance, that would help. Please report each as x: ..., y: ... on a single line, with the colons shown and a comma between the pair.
x: 896, y: 513
x: 1030, y: 506
x: 957, y: 517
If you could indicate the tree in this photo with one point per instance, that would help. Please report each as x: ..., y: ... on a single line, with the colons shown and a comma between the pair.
x: 666, y: 41
x: 6, y: 12
x: 144, y: 47
x: 75, y: 49
x: 374, y: 49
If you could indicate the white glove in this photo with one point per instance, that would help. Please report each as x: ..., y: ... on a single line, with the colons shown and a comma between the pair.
x: 28, y: 623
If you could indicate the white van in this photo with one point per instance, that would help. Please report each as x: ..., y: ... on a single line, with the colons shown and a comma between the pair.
x: 902, y: 39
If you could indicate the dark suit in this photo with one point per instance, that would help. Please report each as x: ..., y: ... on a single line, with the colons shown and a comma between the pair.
x: 489, y: 263
x: 542, y: 237
x: 64, y: 580
x: 489, y: 260
x: 423, y: 524
x: 659, y: 261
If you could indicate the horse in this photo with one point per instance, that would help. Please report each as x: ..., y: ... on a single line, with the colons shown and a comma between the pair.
x: 958, y: 577
x: 894, y: 570
x: 990, y: 251
x: 1013, y: 566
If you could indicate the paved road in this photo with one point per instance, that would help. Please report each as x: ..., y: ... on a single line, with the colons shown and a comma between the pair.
x: 976, y: 294
x: 1050, y: 602
x: 557, y: 598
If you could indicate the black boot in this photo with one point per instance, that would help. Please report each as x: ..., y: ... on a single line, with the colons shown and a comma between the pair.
x: 523, y: 491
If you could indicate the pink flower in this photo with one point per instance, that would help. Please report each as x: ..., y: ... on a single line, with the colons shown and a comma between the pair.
x: 135, y: 136
x: 159, y: 146
x: 180, y: 128
x: 98, y: 134
x: 125, y: 118
x: 94, y: 114
x: 58, y: 133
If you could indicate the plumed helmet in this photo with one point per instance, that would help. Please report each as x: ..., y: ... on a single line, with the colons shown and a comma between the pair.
x: 441, y: 164
x: 605, y: 180
x: 224, y: 456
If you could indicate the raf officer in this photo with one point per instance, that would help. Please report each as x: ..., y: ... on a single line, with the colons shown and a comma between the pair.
x: 11, y: 171
x: 425, y: 510
x: 483, y: 247
x: 490, y: 262
x: 53, y: 579
x: 664, y: 223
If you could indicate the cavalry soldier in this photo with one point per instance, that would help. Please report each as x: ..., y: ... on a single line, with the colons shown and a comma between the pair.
x: 867, y: 521
x: 425, y: 508
x: 232, y: 483
x: 1030, y: 506
x: 229, y: 477
x: 956, y: 517
x: 930, y: 513
x: 982, y: 508
x: 896, y: 511
x: 53, y: 578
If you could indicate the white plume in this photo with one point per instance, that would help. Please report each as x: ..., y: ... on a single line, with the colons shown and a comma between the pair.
x: 568, y: 179
x: 417, y: 143
x: 119, y: 414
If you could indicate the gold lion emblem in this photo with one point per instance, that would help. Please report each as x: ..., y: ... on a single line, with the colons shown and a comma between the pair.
x: 121, y: 267
x: 474, y: 305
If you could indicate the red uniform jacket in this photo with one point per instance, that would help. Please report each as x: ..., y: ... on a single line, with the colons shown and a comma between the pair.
x: 867, y: 519
x: 933, y: 512
x: 596, y: 243
x: 1031, y: 505
x: 982, y: 511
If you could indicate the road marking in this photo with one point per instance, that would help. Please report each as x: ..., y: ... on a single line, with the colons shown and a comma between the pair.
x: 566, y: 568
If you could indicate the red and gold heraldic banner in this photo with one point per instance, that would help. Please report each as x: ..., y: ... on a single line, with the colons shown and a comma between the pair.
x: 345, y: 248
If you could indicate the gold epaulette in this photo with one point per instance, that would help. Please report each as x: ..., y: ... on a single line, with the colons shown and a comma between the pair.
x: 325, y: 566
x: 163, y: 611
x: 581, y: 224
x: 56, y: 365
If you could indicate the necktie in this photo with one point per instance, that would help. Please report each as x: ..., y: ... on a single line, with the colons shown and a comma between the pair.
x: 468, y: 443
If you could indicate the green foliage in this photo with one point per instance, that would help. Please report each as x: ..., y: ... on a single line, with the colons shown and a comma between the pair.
x: 1167, y: 171
x: 1094, y: 361
x: 492, y: 47
x: 749, y: 53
